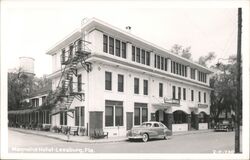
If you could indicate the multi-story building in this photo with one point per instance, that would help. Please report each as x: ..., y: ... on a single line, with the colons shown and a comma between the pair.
x: 114, y: 80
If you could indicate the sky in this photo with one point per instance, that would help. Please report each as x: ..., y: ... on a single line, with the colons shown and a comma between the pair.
x: 30, y: 28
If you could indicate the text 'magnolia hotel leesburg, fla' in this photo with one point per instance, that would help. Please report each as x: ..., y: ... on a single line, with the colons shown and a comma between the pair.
x: 116, y: 81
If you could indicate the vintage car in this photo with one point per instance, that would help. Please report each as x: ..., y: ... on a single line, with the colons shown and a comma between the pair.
x: 148, y: 130
x: 225, y: 125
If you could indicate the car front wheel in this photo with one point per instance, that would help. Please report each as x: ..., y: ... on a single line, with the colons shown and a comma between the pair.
x: 145, y: 137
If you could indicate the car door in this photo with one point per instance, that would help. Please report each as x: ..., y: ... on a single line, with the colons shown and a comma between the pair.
x: 157, y: 130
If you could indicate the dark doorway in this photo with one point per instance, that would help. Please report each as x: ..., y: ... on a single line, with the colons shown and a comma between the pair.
x: 193, y: 121
x: 129, y: 120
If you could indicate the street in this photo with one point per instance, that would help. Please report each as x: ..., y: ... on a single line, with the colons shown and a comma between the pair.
x: 211, y: 142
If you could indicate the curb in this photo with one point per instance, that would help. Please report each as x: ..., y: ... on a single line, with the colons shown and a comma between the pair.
x: 190, y: 133
x: 61, y: 139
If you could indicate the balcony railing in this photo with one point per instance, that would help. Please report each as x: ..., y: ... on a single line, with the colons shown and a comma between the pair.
x: 73, y: 88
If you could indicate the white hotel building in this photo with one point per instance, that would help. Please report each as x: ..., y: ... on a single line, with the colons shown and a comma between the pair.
x: 124, y: 81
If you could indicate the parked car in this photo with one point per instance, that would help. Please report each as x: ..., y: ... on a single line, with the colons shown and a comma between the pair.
x: 225, y: 125
x: 148, y: 130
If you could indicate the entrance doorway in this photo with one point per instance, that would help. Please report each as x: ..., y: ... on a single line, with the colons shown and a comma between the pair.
x: 129, y: 120
x: 193, y: 121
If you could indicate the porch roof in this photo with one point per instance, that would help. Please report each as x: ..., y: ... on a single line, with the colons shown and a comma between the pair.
x: 24, y: 111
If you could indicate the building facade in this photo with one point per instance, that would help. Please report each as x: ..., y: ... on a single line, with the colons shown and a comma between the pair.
x: 122, y: 80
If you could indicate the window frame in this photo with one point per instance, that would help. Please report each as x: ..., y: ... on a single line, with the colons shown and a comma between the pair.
x: 136, y: 87
x: 117, y: 47
x: 160, y: 89
x: 106, y: 81
x: 120, y: 85
x: 105, y: 43
x: 145, y: 87
x: 111, y: 45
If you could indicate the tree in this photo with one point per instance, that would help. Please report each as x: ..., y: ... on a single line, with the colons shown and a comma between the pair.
x: 19, y: 87
x: 223, y: 94
x: 179, y: 50
x: 203, y: 60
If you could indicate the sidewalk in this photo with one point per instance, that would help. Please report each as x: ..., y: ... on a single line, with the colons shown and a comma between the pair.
x: 86, y: 139
x: 63, y: 137
x: 192, y: 132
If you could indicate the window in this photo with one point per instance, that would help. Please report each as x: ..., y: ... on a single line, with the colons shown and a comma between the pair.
x: 173, y: 67
x: 117, y: 48
x: 205, y: 97
x: 140, y: 113
x: 124, y: 50
x: 155, y: 61
x: 162, y: 63
x: 43, y: 99
x: 105, y: 43
x: 166, y: 64
x: 113, y: 113
x: 192, y: 95
x: 119, y: 116
x: 173, y: 92
x: 136, y: 85
x: 184, y: 93
x: 111, y: 45
x: 137, y: 116
x: 61, y: 118
x: 71, y: 50
x: 108, y: 80
x: 145, y: 87
x: 179, y: 92
x: 120, y: 83
x: 143, y: 56
x: 148, y: 58
x: 109, y: 113
x: 138, y: 55
x: 133, y: 53
x: 63, y: 55
x: 77, y: 116
x: 158, y: 62
x: 177, y: 68
x: 160, y: 90
x: 183, y: 71
x: 199, y: 96
x: 82, y: 115
x: 156, y: 125
x: 144, y: 114
x: 79, y: 83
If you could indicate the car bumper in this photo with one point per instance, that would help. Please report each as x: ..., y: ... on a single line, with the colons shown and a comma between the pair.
x: 135, y: 137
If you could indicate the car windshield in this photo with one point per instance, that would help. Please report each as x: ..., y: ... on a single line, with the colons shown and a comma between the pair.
x: 146, y: 124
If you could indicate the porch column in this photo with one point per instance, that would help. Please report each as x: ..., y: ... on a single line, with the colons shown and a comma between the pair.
x: 169, y: 120
x: 189, y: 121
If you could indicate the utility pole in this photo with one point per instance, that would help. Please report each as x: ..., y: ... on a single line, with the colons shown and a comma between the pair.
x: 237, y: 118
